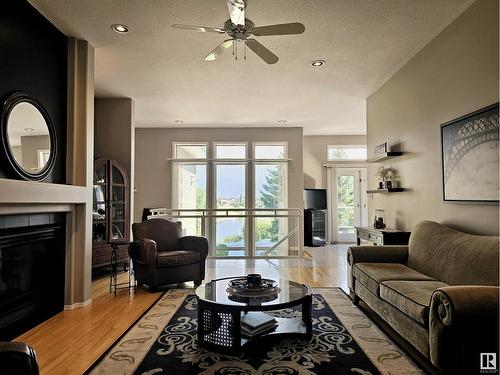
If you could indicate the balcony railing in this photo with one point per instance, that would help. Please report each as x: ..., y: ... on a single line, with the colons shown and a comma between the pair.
x: 283, y: 226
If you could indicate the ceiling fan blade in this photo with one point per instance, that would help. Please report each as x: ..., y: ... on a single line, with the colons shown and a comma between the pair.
x: 219, y: 50
x: 281, y: 29
x: 237, y: 11
x: 201, y: 29
x: 262, y: 51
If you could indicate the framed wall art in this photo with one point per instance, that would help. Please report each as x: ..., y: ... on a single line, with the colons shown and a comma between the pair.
x: 470, y: 159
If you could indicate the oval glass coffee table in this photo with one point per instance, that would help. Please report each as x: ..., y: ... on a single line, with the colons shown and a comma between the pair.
x: 219, y: 314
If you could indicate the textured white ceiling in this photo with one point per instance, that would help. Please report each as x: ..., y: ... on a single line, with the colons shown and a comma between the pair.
x: 363, y: 41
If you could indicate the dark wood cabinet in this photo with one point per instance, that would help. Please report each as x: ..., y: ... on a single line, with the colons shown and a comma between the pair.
x: 382, y: 236
x: 110, y: 211
x: 314, y: 227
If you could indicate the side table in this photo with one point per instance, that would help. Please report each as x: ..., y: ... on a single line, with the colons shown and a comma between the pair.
x: 114, y: 285
x: 382, y: 236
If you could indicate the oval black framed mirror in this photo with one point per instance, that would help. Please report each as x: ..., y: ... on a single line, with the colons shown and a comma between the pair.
x: 28, y: 137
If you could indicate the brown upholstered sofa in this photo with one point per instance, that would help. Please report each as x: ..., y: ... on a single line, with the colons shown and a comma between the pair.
x: 162, y: 256
x: 440, y: 293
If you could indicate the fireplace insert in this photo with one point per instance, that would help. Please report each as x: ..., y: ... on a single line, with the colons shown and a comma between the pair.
x: 32, y: 271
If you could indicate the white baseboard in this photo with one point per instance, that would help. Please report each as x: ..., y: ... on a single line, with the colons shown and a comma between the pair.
x: 78, y: 305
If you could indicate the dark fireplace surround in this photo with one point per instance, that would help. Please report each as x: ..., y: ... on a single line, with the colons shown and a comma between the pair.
x: 32, y: 270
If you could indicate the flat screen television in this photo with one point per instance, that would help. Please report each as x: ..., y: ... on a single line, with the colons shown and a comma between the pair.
x: 315, y: 199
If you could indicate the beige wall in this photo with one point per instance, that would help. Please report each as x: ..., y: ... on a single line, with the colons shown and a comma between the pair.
x: 455, y: 74
x: 154, y: 147
x: 17, y: 151
x: 114, y: 135
x: 114, y: 130
x: 30, y: 145
x: 315, y: 156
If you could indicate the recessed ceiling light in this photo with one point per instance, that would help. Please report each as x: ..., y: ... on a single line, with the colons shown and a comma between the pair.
x: 119, y: 28
x: 29, y: 129
x: 179, y: 121
x: 282, y: 121
x: 318, y: 63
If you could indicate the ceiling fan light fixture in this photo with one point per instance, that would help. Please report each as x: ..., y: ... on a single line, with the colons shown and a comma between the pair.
x: 282, y: 121
x: 119, y: 28
x: 179, y: 121
x: 29, y: 129
x: 318, y: 63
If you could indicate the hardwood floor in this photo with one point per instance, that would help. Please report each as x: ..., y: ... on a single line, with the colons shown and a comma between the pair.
x: 71, y: 341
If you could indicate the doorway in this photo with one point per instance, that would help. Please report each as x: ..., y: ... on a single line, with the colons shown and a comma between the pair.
x: 351, y: 203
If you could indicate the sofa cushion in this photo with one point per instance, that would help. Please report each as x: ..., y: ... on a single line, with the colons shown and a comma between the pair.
x: 372, y: 274
x: 177, y: 258
x: 411, y: 297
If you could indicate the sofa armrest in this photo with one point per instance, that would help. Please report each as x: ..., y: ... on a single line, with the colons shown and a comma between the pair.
x: 143, y: 251
x: 463, y: 322
x: 194, y: 243
x: 377, y: 254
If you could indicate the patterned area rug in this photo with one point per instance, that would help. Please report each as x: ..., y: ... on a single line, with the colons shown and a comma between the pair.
x: 345, y: 341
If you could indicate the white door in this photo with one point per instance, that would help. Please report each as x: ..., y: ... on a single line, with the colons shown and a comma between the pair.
x: 351, y: 202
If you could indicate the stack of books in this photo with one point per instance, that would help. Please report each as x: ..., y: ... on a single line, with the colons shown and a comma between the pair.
x: 256, y: 323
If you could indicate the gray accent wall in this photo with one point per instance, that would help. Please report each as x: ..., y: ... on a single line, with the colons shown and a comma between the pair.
x: 455, y: 74
x: 114, y: 135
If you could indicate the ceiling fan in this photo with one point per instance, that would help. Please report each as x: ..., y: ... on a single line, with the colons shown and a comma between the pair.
x: 240, y: 29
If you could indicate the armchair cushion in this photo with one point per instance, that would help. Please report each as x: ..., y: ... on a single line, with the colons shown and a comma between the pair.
x: 372, y: 274
x: 411, y: 297
x: 177, y: 258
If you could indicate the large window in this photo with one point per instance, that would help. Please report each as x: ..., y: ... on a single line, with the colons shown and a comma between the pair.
x: 346, y: 153
x: 231, y: 176
x: 271, y: 191
x: 190, y: 150
x: 189, y: 180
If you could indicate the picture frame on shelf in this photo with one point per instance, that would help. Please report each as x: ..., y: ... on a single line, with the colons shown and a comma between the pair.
x: 380, y: 149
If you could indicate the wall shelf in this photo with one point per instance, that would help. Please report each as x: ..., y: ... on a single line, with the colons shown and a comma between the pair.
x: 391, y: 190
x: 384, y: 156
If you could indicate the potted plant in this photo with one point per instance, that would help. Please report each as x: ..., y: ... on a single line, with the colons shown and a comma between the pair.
x: 387, y: 175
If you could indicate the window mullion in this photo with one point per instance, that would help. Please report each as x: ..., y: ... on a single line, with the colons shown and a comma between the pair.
x: 250, y: 204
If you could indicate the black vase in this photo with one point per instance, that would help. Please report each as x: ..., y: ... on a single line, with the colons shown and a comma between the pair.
x: 254, y: 280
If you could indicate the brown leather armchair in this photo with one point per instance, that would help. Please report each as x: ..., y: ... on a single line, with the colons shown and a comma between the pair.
x: 17, y: 358
x: 161, y: 256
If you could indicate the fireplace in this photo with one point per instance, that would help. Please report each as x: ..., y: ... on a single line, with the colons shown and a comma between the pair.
x: 32, y: 270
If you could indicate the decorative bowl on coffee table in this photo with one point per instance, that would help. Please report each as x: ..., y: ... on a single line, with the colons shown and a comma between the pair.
x: 221, y: 306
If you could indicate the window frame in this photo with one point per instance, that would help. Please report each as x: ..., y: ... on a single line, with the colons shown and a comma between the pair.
x: 358, y: 146
x: 229, y: 143
x: 270, y: 143
x: 212, y: 162
x: 174, y: 150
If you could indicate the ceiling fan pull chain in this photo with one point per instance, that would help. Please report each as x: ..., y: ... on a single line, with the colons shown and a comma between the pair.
x: 236, y: 50
x: 245, y: 51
